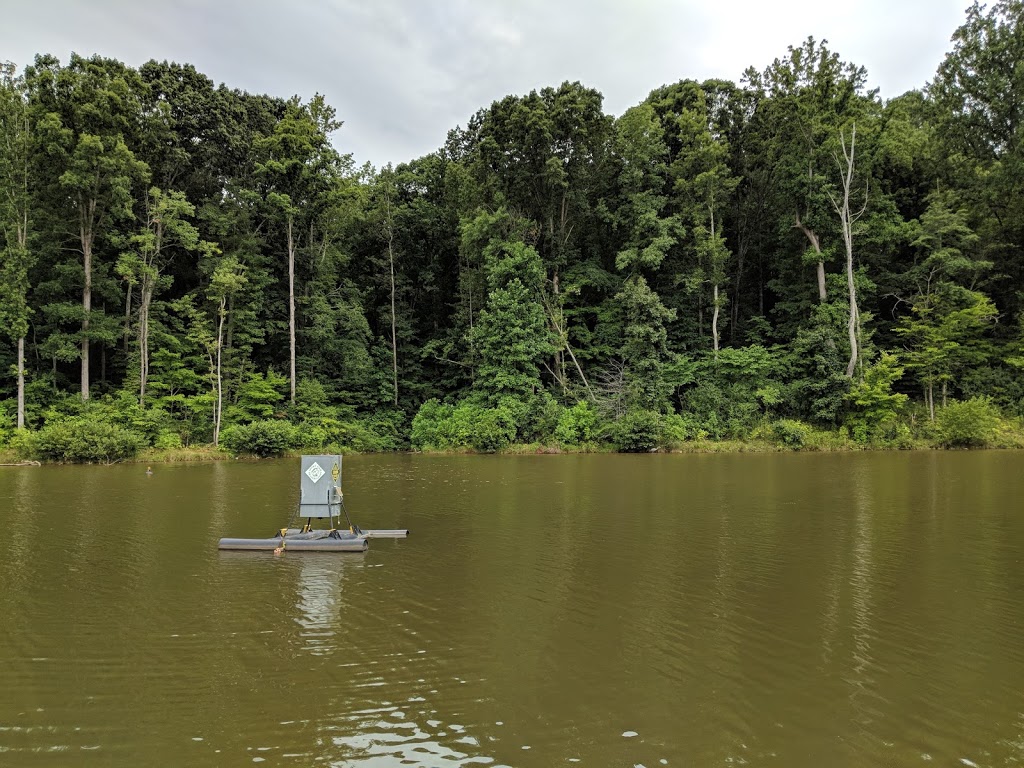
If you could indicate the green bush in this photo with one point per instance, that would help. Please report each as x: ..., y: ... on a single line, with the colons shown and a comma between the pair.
x: 494, y: 429
x: 321, y: 433
x: 536, y: 419
x: 82, y: 440
x: 1003, y: 384
x: 333, y: 434
x: 968, y: 424
x: 427, y: 424
x: 576, y: 425
x: 22, y: 443
x: 874, y: 409
x: 387, y: 429
x: 677, y: 428
x: 167, y: 440
x: 468, y: 425
x: 636, y: 432
x: 727, y: 411
x: 262, y: 438
x: 258, y: 397
x: 791, y: 433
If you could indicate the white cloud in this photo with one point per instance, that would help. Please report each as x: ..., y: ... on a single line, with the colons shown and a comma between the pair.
x: 401, y: 73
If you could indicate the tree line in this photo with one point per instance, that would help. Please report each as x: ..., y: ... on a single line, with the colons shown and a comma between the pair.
x: 789, y: 258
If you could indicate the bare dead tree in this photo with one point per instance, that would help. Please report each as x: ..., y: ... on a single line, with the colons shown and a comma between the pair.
x: 847, y: 219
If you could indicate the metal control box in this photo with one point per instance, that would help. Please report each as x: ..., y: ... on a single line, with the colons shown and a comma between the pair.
x: 320, y: 486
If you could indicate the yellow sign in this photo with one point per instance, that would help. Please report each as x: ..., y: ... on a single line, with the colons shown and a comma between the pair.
x: 335, y: 472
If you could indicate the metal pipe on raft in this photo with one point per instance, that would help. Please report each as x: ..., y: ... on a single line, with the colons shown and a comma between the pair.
x: 398, y: 533
x: 380, y: 533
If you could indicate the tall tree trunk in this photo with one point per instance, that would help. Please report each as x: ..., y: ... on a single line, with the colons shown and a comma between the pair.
x: 852, y: 324
x: 741, y: 252
x: 563, y: 334
x: 714, y: 319
x: 559, y: 360
x: 394, y: 333
x: 86, y: 309
x: 21, y: 382
x: 847, y: 220
x: 220, y: 391
x: 147, y: 286
x: 390, y: 232
x: 23, y: 242
x: 291, y: 306
x: 144, y: 304
x: 18, y: 179
x: 812, y: 238
x: 127, y: 319
x: 714, y: 274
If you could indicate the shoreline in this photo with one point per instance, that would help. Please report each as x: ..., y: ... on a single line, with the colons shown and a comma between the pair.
x: 209, y: 454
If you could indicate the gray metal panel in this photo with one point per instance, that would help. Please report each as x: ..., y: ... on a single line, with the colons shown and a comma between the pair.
x: 320, y: 486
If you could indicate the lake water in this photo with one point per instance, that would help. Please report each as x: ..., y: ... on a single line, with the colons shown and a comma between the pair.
x: 778, y: 610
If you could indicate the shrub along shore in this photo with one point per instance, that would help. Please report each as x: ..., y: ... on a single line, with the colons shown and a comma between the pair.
x: 103, y: 434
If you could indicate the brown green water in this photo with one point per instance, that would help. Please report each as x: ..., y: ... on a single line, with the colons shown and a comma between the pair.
x: 782, y: 610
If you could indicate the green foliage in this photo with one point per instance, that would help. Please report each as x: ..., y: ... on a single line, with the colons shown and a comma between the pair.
x: 644, y: 347
x: 791, y: 433
x: 167, y: 440
x: 637, y: 431
x: 722, y: 413
x: 329, y: 433
x: 536, y: 417
x: 816, y: 385
x: 642, y: 154
x: 945, y: 334
x: 468, y: 425
x: 677, y: 428
x: 968, y: 424
x: 737, y: 388
x: 576, y: 425
x: 492, y: 429
x: 266, y: 437
x: 1004, y: 385
x: 973, y: 98
x: 511, y: 335
x: 874, y: 407
x: 82, y: 440
x: 257, y: 397
x: 427, y: 424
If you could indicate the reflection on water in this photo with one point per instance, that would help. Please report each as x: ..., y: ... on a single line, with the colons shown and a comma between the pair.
x: 603, y: 610
x: 321, y: 579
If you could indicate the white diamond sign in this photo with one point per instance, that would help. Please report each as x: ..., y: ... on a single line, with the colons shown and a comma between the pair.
x: 315, y: 472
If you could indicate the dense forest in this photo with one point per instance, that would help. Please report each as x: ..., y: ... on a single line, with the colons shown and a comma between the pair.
x: 789, y: 259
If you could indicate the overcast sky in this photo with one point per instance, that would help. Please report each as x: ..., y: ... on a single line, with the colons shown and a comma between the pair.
x: 401, y: 73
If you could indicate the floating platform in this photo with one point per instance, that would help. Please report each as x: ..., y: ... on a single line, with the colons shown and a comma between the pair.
x: 297, y: 541
x: 317, y: 500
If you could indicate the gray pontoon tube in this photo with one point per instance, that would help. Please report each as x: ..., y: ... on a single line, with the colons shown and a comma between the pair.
x: 316, y: 541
